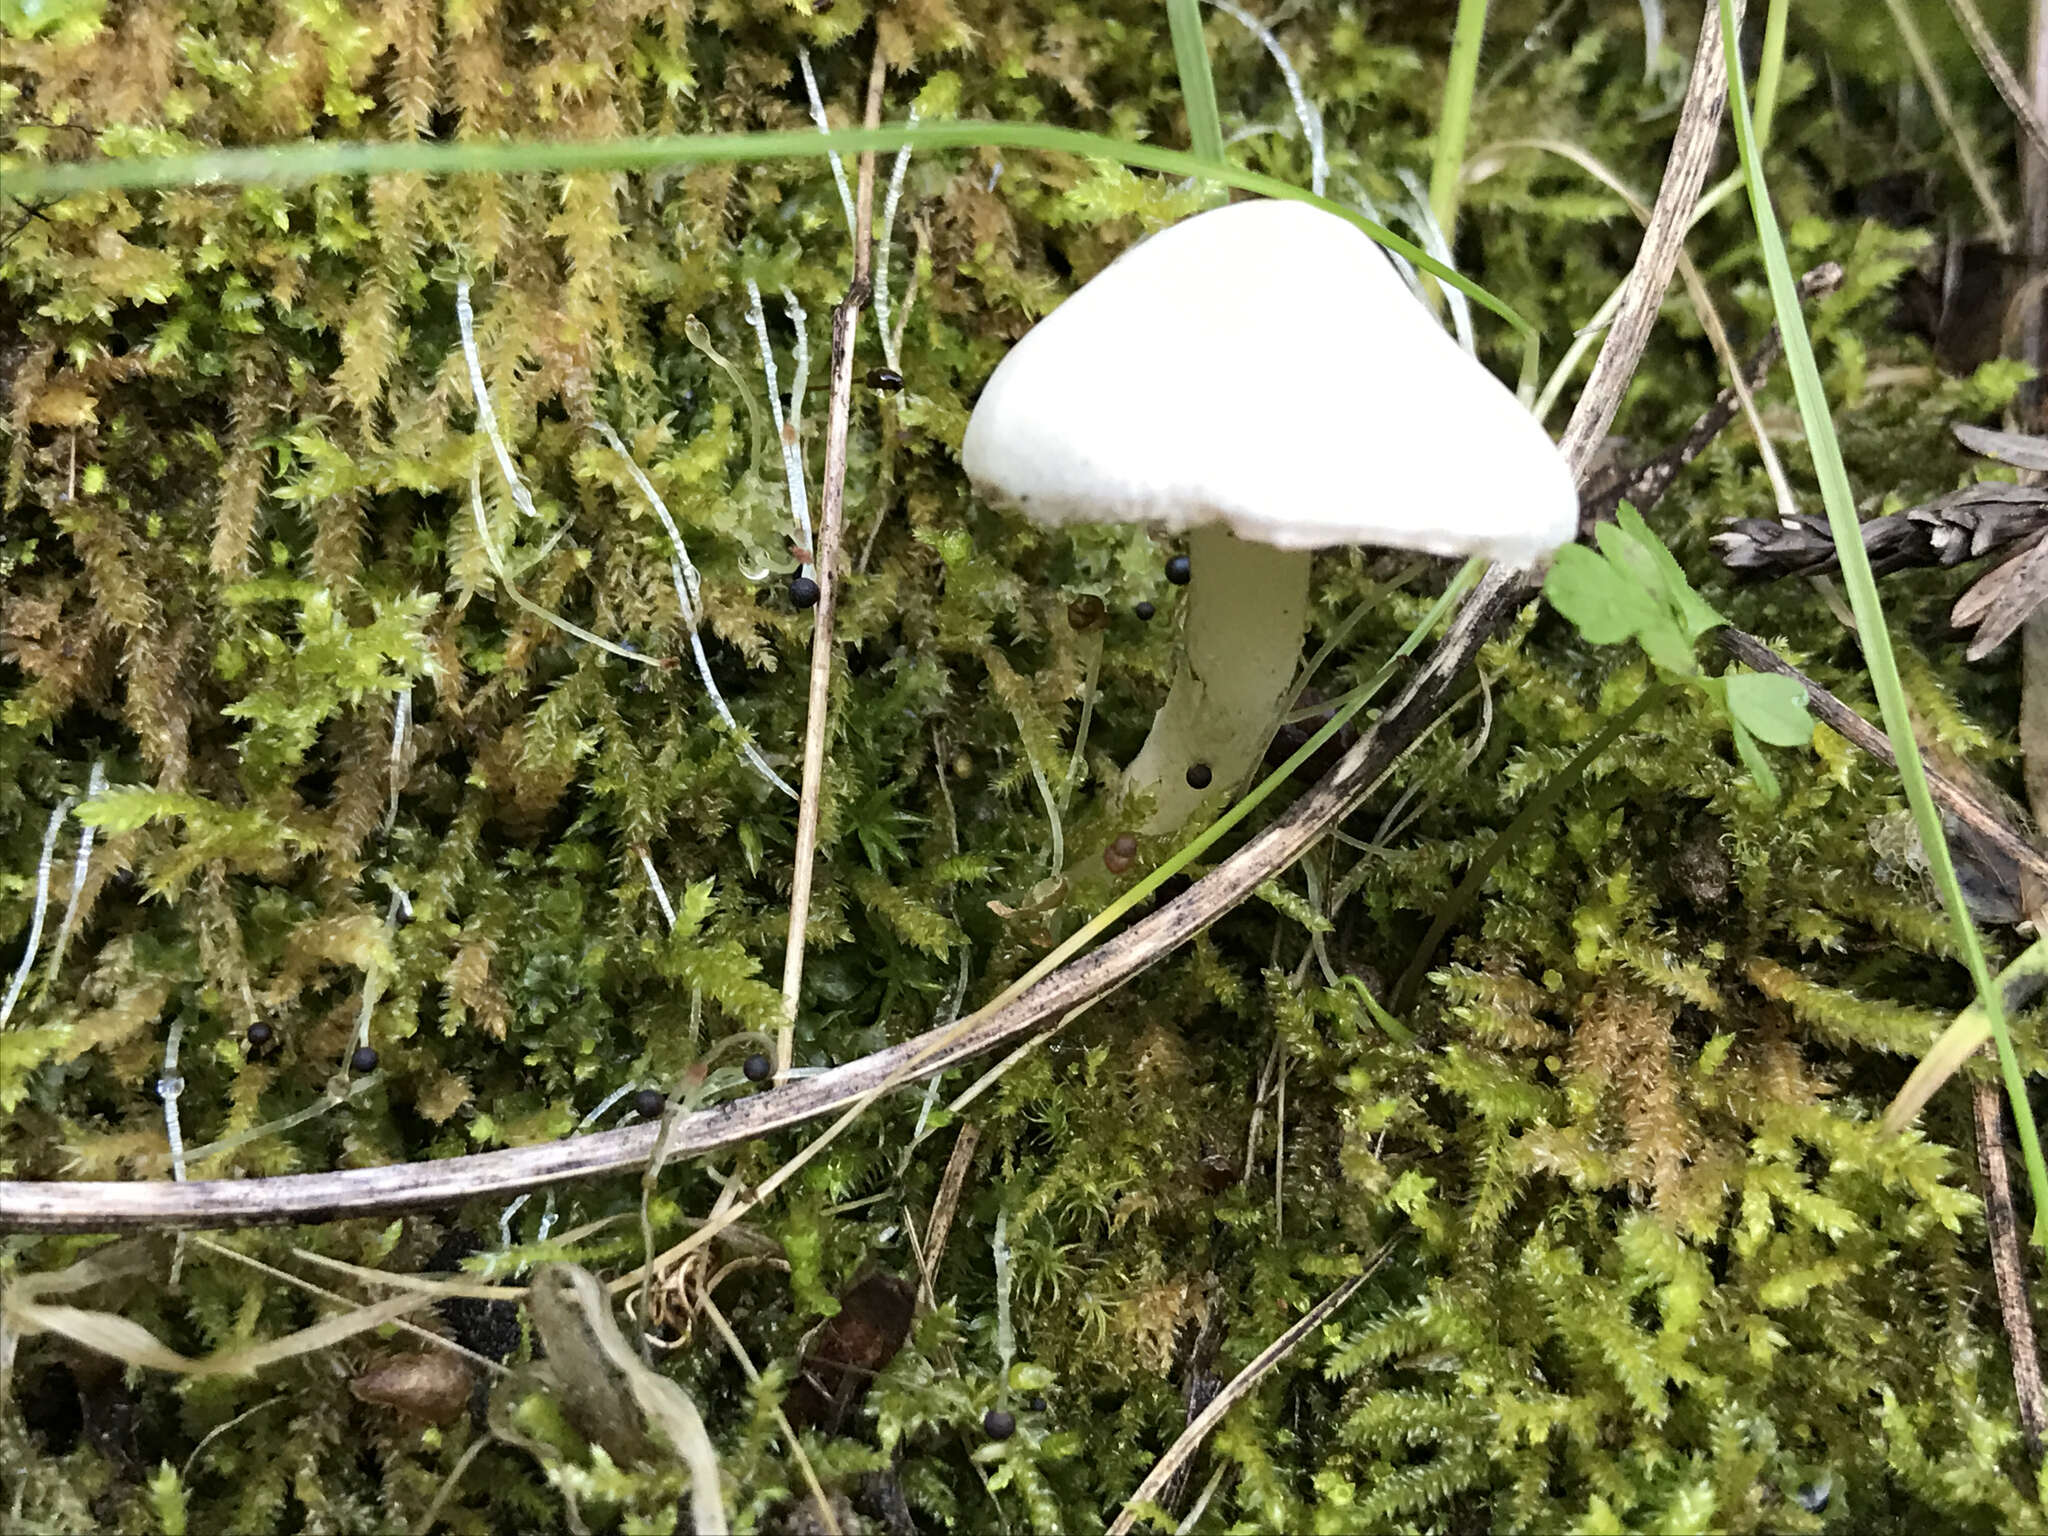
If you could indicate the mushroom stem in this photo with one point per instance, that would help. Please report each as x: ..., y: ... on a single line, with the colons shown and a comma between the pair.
x: 1247, y: 610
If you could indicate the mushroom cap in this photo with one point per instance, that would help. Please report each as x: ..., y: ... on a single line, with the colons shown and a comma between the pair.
x: 1263, y: 366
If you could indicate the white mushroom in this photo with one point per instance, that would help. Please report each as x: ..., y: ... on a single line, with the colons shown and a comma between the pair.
x: 1260, y: 376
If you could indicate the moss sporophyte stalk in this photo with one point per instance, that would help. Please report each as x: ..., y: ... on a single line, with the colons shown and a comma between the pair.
x: 404, y: 533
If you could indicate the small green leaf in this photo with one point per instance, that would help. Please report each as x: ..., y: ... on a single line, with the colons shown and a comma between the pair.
x: 1752, y: 757
x: 1695, y: 613
x: 1667, y: 645
x: 1772, y: 707
x: 1601, y: 603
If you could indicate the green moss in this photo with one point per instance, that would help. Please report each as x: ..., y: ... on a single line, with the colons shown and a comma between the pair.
x: 1654, y: 1267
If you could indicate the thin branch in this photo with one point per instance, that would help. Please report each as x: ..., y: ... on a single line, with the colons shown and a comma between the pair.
x: 2008, y: 1266
x: 831, y: 524
x: 1644, y: 485
x: 1692, y: 151
x: 933, y: 1248
x: 1993, y: 59
x: 1235, y: 1390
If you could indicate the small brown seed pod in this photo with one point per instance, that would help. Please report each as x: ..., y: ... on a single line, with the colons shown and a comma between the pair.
x: 433, y: 1387
x: 1087, y: 612
x: 1121, y: 854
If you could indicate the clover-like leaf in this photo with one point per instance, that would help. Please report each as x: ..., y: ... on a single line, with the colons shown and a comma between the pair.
x: 1772, y: 708
x: 1603, y: 605
x: 1694, y: 612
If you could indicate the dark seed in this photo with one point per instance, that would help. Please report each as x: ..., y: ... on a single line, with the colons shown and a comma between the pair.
x: 1179, y: 569
x: 885, y: 379
x: 758, y: 1068
x: 999, y: 1423
x: 1199, y: 776
x: 364, y: 1060
x: 648, y: 1103
x: 1036, y: 1405
x: 803, y: 592
x: 1121, y: 854
x: 259, y: 1036
x: 1087, y: 612
x: 1144, y: 610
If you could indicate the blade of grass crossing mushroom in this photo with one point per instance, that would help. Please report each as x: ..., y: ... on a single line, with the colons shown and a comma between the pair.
x: 1840, y: 502
x: 310, y: 160
x: 1197, y: 85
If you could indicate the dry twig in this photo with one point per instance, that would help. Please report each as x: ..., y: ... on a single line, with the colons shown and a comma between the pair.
x: 2008, y: 1266
x: 1192, y: 1437
x: 831, y: 521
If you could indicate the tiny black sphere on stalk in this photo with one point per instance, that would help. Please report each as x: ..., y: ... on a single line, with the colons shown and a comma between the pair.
x: 1144, y: 610
x: 1180, y: 570
x: 1199, y: 776
x: 364, y: 1059
x: 803, y: 592
x: 999, y: 1423
x: 648, y: 1103
x: 259, y: 1037
x: 757, y: 1068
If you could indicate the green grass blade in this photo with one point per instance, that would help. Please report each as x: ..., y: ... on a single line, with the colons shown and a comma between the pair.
x: 1958, y: 1043
x: 1861, y: 586
x: 1197, y: 85
x: 309, y: 160
x: 1455, y: 118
